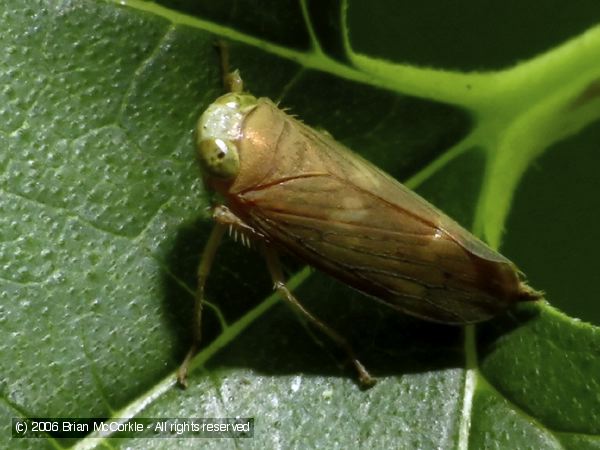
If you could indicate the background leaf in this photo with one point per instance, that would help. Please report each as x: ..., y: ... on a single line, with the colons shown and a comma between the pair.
x: 103, y: 216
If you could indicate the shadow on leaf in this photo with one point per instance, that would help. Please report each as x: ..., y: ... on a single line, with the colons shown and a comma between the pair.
x: 282, y: 343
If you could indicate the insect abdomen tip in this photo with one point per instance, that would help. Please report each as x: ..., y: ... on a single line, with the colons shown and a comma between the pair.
x: 527, y: 293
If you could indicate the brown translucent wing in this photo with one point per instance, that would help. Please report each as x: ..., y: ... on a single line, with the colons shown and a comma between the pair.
x: 346, y: 217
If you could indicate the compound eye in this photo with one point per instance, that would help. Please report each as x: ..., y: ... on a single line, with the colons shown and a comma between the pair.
x: 219, y: 157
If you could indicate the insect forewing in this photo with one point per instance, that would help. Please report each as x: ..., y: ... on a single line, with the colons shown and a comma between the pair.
x: 313, y: 197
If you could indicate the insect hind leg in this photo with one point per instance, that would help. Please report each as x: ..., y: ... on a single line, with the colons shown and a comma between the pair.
x: 365, y: 378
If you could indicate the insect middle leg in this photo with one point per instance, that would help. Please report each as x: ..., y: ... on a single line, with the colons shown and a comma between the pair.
x: 274, y: 265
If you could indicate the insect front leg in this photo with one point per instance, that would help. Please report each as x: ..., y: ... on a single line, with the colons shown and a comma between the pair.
x: 232, y: 80
x: 225, y: 220
x: 208, y: 256
x: 238, y: 229
x: 274, y: 265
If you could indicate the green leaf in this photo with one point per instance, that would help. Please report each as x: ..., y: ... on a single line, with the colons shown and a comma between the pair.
x: 103, y: 216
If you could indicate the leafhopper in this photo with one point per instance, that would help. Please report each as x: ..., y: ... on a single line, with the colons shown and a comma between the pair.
x: 290, y: 188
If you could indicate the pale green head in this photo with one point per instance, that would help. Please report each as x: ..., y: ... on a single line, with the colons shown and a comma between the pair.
x: 218, y: 131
